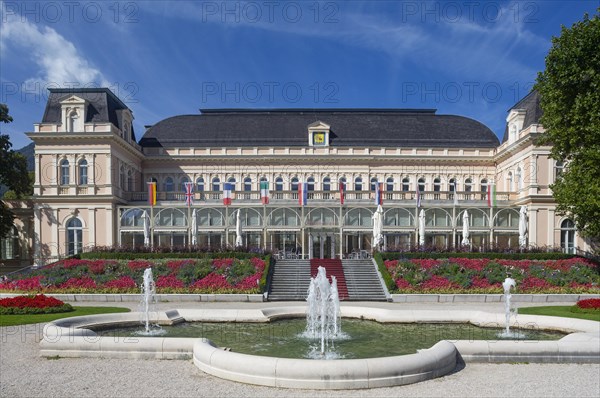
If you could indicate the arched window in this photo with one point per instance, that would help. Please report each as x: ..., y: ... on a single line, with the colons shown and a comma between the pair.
x: 122, y: 177
x: 452, y: 188
x: 558, y: 169
x: 247, y: 184
x: 279, y: 184
x: 74, y: 236
x: 484, y: 188
x: 326, y: 184
x: 389, y: 184
x: 168, y: 185
x: 184, y: 180
x: 310, y: 187
x: 294, y: 187
x: 513, y: 133
x: 421, y: 184
x: 437, y: 187
x: 373, y: 183
x: 232, y: 181
x: 406, y: 184
x: 216, y: 184
x: 200, y: 184
x: 468, y: 188
x: 358, y: 184
x: 519, y: 177
x: 72, y: 122
x: 64, y: 172
x: 9, y: 245
x: 83, y: 172
x: 130, y: 181
x: 567, y: 236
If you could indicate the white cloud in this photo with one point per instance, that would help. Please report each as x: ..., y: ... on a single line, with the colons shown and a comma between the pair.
x: 57, y: 59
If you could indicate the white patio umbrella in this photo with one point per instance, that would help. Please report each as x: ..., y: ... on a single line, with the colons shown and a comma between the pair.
x: 377, y: 228
x: 310, y: 246
x: 523, y: 227
x: 238, y: 230
x: 466, y: 241
x: 194, y: 228
x: 146, y: 220
x: 422, y: 228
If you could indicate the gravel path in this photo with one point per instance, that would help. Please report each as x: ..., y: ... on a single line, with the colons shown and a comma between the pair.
x: 24, y: 374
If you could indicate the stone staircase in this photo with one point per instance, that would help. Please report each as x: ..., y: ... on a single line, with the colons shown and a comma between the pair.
x: 358, y: 280
x: 362, y: 280
x: 332, y: 267
x: 290, y: 280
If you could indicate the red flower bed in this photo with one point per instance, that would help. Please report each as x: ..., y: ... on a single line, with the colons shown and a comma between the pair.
x: 169, y: 281
x: 38, y: 304
x: 212, y: 281
x: 135, y: 265
x: 222, y: 263
x: 84, y: 282
x: 589, y: 304
x: 123, y: 283
x: 438, y: 282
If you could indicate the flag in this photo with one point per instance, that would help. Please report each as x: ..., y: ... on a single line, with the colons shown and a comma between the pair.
x: 342, y: 192
x: 227, y: 188
x: 491, y: 195
x: 418, y: 197
x: 455, y: 193
x: 302, y: 193
x: 189, y: 195
x: 151, y: 193
x: 264, y: 192
x: 378, y: 193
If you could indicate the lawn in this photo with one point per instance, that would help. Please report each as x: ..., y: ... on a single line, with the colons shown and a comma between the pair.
x: 12, y: 320
x: 561, y: 310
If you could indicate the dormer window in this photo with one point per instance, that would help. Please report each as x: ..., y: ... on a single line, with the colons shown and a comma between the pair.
x: 72, y: 121
x: 318, y: 134
x: 513, y: 133
x: 73, y: 114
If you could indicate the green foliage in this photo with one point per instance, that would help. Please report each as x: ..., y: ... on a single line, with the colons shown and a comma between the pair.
x: 387, y: 278
x: 193, y: 271
x: 494, y: 272
x: 31, y: 311
x: 562, y: 311
x: 148, y: 256
x: 265, y: 275
x: 504, y: 256
x: 569, y: 91
x: 12, y: 320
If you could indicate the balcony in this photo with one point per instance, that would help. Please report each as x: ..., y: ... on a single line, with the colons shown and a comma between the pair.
x: 402, y: 198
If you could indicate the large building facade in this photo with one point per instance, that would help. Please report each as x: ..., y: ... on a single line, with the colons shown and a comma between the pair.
x: 92, y: 174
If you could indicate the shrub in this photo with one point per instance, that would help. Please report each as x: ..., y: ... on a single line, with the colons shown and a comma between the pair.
x: 38, y: 304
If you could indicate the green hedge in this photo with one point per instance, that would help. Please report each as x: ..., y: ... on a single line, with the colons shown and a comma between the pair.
x: 387, y: 278
x: 265, y: 275
x: 504, y: 256
x: 34, y: 310
x: 148, y: 256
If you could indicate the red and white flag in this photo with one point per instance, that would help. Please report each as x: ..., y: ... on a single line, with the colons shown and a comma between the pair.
x: 264, y: 192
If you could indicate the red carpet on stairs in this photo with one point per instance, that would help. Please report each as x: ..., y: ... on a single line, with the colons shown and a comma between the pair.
x: 332, y: 267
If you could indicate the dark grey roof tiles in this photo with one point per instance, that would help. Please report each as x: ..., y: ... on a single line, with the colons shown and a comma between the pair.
x: 349, y: 127
x: 531, y: 104
x: 103, y: 105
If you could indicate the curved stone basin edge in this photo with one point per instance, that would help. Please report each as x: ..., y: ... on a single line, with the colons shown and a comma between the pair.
x: 72, y: 337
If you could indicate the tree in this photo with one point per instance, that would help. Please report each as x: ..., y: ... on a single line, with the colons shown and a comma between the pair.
x: 569, y: 91
x: 13, y: 174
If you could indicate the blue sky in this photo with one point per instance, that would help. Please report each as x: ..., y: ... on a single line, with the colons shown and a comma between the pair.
x: 471, y: 58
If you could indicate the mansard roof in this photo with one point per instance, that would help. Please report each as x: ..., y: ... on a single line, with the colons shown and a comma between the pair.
x: 103, y: 106
x: 531, y: 104
x: 349, y: 127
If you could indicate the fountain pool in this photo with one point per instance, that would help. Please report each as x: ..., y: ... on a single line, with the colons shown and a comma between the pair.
x: 286, y: 338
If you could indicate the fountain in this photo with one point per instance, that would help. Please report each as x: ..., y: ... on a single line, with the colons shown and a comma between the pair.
x: 323, y: 319
x: 507, y: 284
x: 148, y: 302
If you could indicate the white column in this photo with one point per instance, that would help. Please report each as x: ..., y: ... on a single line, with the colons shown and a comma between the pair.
x: 37, y: 236
x: 91, y: 226
x: 109, y: 226
x: 56, y: 241
x: 551, y: 227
